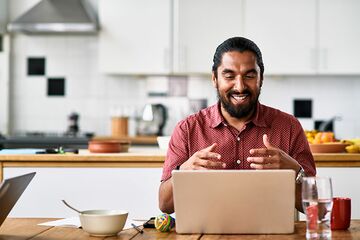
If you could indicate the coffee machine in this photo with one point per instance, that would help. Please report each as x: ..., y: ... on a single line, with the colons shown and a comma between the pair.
x: 152, y: 120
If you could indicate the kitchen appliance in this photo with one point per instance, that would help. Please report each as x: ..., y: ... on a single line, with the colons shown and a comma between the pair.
x: 152, y: 120
x: 57, y: 16
x: 73, y: 128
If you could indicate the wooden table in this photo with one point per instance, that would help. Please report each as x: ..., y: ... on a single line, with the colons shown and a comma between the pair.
x: 27, y: 228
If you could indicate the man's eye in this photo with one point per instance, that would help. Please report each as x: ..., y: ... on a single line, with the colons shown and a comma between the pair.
x: 250, y: 76
x: 229, y: 76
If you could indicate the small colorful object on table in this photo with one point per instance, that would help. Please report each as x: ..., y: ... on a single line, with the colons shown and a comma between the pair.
x: 164, y: 222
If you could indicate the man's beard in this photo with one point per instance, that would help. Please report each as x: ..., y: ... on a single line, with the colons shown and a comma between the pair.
x: 239, y: 112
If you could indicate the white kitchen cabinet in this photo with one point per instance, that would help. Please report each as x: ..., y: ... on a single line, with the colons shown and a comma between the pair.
x: 135, y: 36
x: 305, y: 37
x: 180, y: 36
x: 199, y: 27
x: 285, y: 31
x: 165, y: 36
x: 131, y: 189
x: 339, y: 37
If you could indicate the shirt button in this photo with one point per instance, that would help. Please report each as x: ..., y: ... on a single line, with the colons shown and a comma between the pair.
x: 238, y: 161
x: 238, y: 138
x: 225, y: 124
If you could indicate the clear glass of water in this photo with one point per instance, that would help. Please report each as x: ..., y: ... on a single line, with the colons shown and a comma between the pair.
x: 317, y: 203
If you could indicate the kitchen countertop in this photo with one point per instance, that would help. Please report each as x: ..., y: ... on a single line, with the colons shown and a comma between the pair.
x: 337, y: 159
x: 153, y: 155
x: 137, y: 157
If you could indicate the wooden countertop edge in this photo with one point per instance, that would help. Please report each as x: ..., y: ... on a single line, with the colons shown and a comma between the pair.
x: 83, y: 158
x: 336, y: 156
x: 146, y: 159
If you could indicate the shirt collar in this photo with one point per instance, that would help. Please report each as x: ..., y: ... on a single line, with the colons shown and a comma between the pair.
x: 217, y: 116
x: 258, y: 119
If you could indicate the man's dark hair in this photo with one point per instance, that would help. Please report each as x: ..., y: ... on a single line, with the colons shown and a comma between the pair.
x: 239, y: 44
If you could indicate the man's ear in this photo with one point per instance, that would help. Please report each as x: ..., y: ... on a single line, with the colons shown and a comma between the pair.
x: 214, y: 80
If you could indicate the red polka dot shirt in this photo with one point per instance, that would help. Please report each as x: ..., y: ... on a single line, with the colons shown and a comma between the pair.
x: 208, y: 126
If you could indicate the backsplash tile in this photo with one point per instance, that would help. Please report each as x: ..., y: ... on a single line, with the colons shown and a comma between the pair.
x: 303, y: 108
x: 56, y: 86
x: 36, y: 66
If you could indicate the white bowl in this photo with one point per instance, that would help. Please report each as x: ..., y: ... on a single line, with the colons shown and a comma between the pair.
x: 163, y: 142
x: 103, y: 222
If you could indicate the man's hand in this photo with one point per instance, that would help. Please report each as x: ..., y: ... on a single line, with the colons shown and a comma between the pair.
x: 203, y: 159
x: 271, y: 158
x: 275, y: 158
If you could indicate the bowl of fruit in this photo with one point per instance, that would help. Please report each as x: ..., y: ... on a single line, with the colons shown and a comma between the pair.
x: 329, y: 147
x: 324, y: 142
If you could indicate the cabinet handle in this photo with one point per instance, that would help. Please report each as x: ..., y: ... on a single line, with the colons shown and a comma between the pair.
x: 313, y: 59
x: 325, y: 58
x: 166, y: 59
x: 182, y: 58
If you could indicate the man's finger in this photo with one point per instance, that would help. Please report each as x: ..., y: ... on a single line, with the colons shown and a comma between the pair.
x: 198, y: 167
x: 208, y: 155
x: 209, y: 148
x: 210, y: 164
x: 265, y: 166
x: 262, y: 151
x: 261, y: 160
x: 266, y: 142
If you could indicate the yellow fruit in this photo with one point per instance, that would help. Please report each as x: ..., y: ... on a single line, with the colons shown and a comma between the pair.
x: 353, y: 149
x: 347, y: 142
x: 355, y: 141
x: 310, y: 140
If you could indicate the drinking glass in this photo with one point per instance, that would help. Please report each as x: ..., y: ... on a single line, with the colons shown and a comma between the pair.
x: 317, y: 204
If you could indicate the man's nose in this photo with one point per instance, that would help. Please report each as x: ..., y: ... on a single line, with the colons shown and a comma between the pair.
x: 239, y: 83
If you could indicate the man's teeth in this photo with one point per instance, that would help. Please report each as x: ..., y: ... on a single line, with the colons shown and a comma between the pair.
x: 239, y: 97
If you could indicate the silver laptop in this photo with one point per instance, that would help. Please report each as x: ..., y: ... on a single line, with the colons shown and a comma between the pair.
x: 10, y: 191
x: 234, y: 201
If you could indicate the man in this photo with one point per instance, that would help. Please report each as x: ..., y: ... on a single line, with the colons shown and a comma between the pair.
x: 238, y: 132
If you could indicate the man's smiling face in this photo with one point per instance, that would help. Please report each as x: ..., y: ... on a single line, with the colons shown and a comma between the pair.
x: 238, y: 83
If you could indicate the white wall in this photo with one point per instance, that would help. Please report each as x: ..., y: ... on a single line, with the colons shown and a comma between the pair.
x: 331, y: 95
x: 95, y: 96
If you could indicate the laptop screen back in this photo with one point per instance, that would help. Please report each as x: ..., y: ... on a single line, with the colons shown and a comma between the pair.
x: 234, y: 201
x: 10, y: 191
